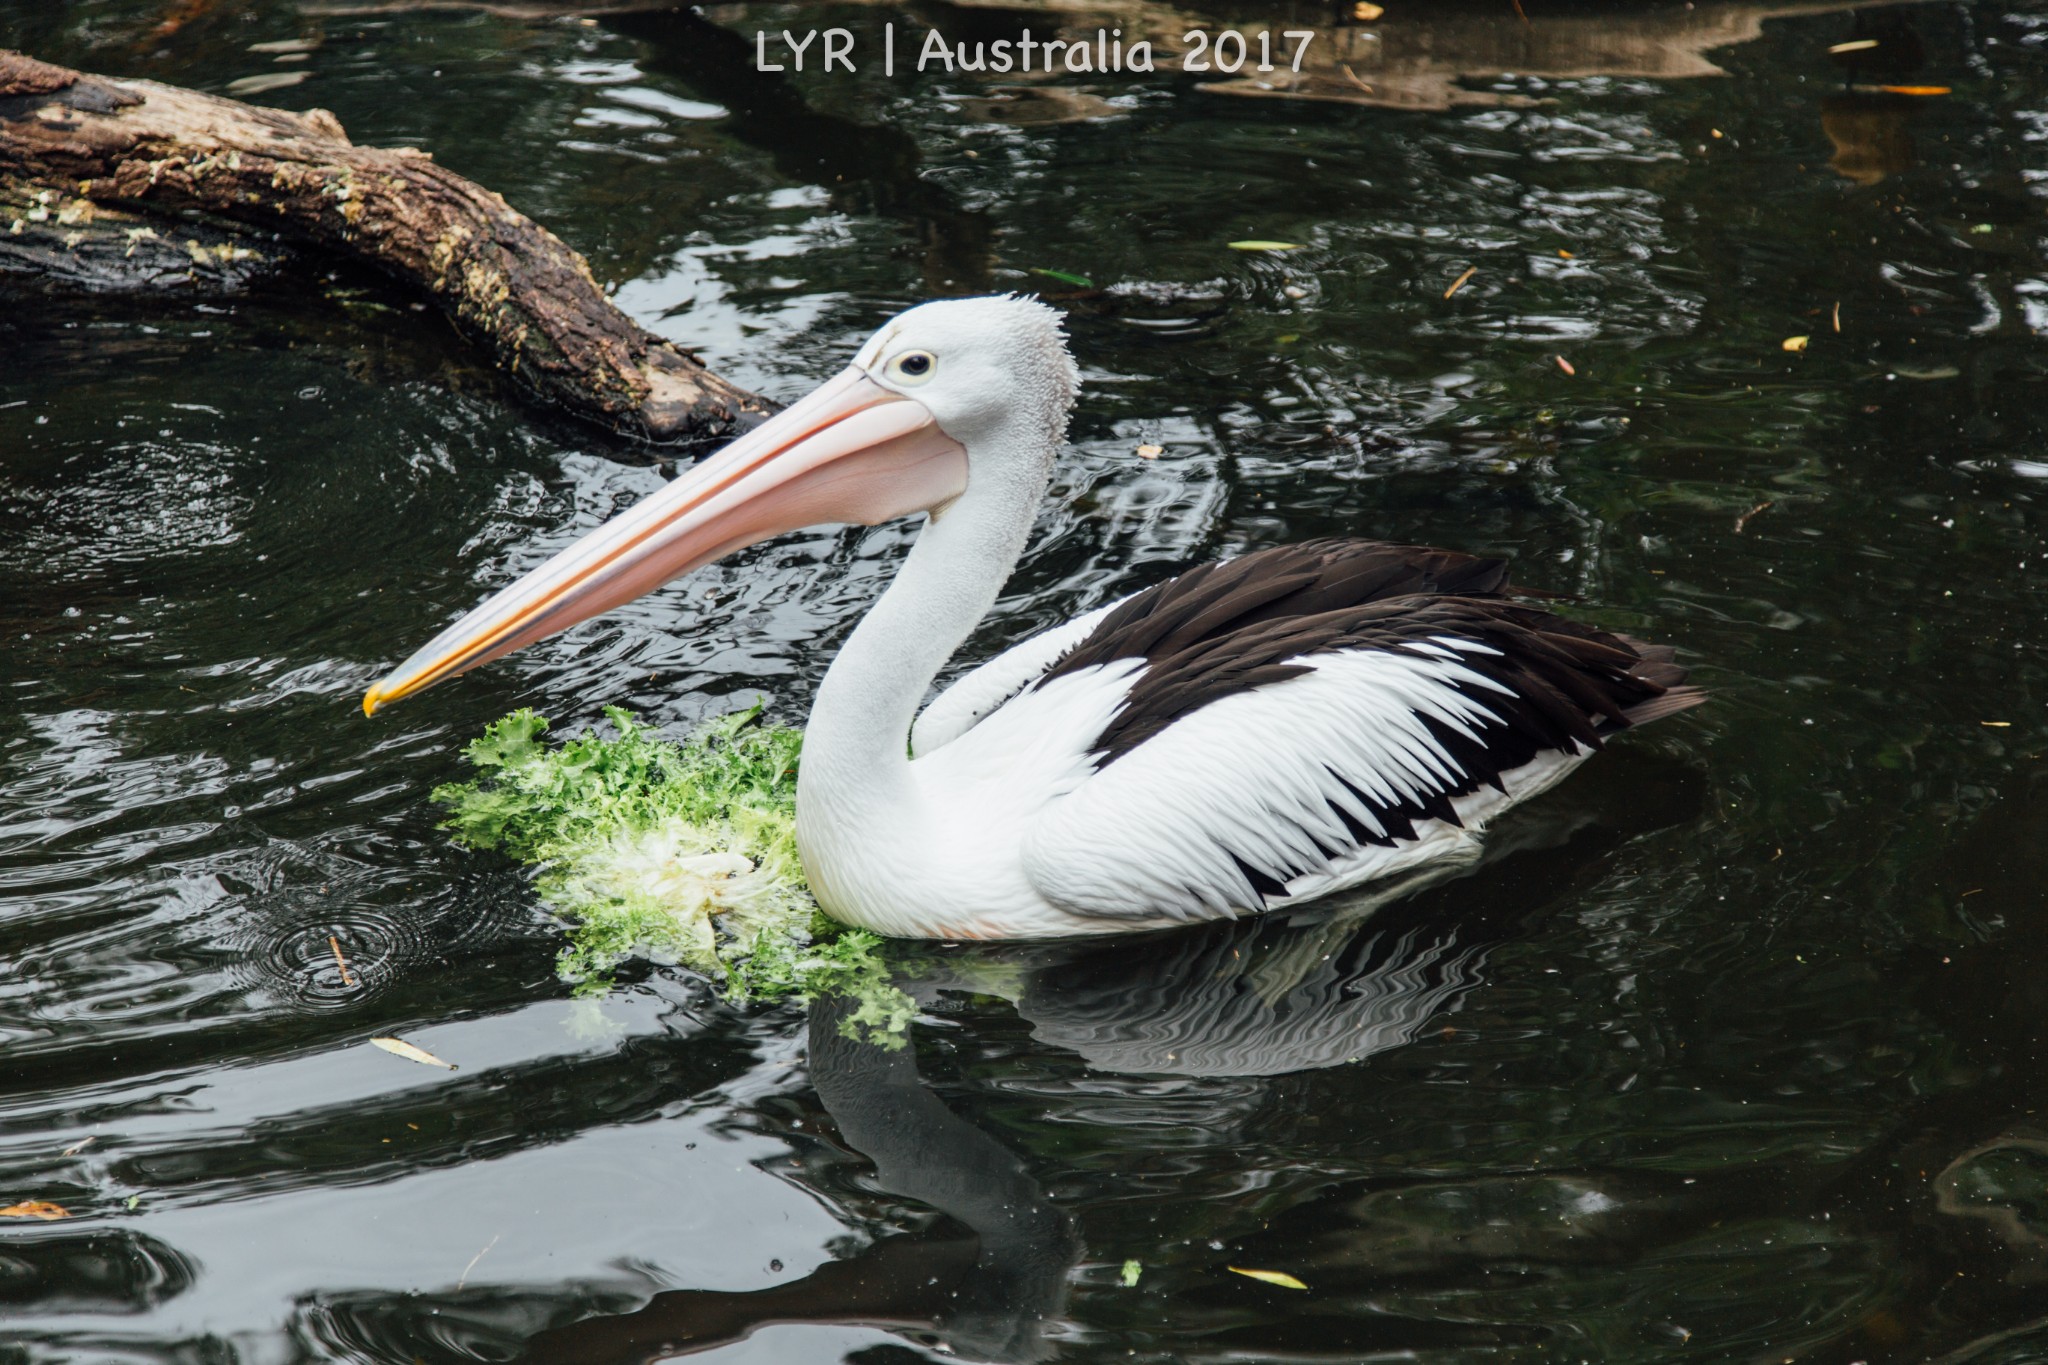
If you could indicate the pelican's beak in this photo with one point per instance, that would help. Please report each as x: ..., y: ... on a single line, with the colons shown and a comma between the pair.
x: 852, y: 451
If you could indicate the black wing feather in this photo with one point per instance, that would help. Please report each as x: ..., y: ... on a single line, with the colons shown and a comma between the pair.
x: 1228, y: 627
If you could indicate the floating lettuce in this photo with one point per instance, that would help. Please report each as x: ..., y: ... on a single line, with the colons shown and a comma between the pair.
x: 683, y: 851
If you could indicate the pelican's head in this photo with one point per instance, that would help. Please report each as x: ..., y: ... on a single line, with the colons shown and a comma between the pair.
x: 940, y: 390
x: 993, y: 372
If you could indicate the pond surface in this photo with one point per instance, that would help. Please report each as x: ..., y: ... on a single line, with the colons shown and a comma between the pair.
x: 1731, y: 1051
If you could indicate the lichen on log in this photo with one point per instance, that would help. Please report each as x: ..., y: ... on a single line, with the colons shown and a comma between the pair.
x: 92, y: 168
x: 76, y: 243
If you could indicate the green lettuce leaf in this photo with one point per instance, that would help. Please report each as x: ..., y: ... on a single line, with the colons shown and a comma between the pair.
x: 678, y: 851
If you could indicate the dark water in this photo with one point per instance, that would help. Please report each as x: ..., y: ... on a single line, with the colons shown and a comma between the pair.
x: 1731, y: 1052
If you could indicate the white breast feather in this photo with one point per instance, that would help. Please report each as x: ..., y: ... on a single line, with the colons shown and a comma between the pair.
x: 977, y: 796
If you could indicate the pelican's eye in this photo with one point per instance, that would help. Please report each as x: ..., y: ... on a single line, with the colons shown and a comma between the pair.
x: 913, y: 367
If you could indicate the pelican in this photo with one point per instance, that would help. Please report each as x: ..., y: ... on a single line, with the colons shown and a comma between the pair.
x: 1254, y: 733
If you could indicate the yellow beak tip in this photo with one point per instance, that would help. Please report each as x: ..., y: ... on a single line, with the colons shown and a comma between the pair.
x: 371, y: 699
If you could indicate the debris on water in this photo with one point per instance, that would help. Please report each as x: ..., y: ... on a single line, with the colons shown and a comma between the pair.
x: 270, y: 80
x: 340, y: 961
x: 398, y: 1047
x: 1794, y: 344
x: 680, y: 851
x: 75, y: 1148
x: 1758, y: 510
x: 1838, y: 315
x: 1129, y: 1277
x: 1064, y: 277
x: 1278, y: 1277
x: 463, y: 1279
x: 1262, y: 244
x: 36, y: 1208
x: 1564, y: 364
x: 1364, y: 13
x: 1150, y: 452
x: 1459, y: 283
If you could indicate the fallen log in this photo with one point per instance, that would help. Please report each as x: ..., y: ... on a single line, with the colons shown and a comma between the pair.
x: 96, y: 173
x: 75, y: 243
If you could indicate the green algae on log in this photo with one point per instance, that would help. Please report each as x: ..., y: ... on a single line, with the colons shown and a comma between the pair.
x: 73, y: 144
x: 683, y: 851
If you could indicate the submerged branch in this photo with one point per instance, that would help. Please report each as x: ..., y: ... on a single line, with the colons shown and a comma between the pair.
x: 113, y: 183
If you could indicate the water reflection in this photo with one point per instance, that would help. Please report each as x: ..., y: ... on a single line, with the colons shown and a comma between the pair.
x: 1452, y: 54
x: 987, y: 1295
x: 91, y: 1272
x: 1431, y: 58
x: 987, y: 1282
x: 1226, y: 1006
x: 990, y: 1279
x: 1872, y: 135
x: 869, y: 167
x: 1443, y: 56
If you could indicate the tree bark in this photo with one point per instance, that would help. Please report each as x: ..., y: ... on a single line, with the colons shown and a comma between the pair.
x: 103, y: 179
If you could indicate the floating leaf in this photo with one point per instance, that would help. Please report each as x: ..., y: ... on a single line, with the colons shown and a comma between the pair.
x: 1794, y: 344
x: 1261, y: 244
x: 1129, y: 1278
x: 1279, y: 1277
x: 36, y: 1208
x: 398, y: 1047
x: 133, y: 1200
x: 1078, y: 281
x: 271, y: 80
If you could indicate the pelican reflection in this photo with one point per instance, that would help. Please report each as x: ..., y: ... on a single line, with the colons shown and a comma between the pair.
x: 1256, y: 998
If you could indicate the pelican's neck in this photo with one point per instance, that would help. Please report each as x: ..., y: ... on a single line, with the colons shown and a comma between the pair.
x: 856, y: 748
